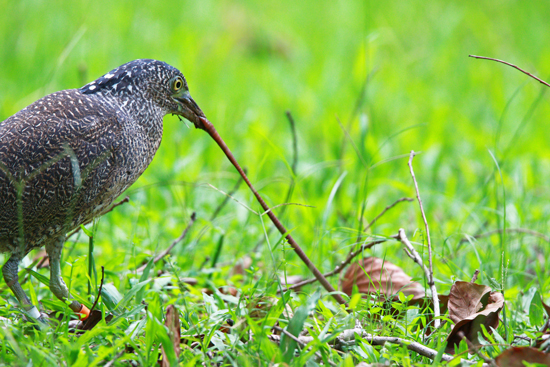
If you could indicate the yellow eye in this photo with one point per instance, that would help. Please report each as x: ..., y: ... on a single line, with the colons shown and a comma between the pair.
x: 178, y: 84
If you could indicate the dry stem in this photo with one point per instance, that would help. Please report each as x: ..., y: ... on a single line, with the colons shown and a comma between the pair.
x: 100, y: 289
x: 429, y: 275
x: 297, y: 340
x: 211, y: 130
x: 512, y: 65
x: 384, y: 212
x: 474, y: 349
x: 227, y: 197
x: 413, y: 254
x: 348, y: 336
x: 474, y: 277
x: 174, y: 243
x: 294, y: 167
x: 338, y: 268
x: 380, y: 215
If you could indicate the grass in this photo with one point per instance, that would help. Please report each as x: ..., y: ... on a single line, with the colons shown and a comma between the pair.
x: 398, y: 78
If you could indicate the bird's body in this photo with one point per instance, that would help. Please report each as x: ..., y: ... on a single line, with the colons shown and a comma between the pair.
x: 110, y: 152
x: 67, y: 156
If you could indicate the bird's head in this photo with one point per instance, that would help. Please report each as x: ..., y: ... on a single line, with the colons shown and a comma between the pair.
x: 151, y: 81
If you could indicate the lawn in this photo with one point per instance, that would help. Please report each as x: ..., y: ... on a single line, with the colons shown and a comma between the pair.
x: 365, y: 83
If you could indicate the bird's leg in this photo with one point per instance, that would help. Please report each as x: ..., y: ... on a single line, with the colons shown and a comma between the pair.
x: 57, y: 285
x: 12, y: 280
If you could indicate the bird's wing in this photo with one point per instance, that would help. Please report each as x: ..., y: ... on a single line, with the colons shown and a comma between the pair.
x: 62, y: 150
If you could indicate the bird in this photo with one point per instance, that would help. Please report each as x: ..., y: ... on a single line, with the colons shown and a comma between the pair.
x: 65, y: 158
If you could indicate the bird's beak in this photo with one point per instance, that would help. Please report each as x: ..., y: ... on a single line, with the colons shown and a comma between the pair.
x: 189, y: 109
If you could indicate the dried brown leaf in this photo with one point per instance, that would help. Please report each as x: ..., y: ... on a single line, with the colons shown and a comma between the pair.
x: 380, y: 276
x: 190, y: 281
x: 243, y: 264
x: 172, y: 322
x: 229, y: 290
x: 466, y: 299
x: 470, y: 306
x: 514, y: 357
x: 226, y: 289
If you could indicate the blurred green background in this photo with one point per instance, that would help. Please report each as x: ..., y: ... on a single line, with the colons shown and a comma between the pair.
x: 396, y: 74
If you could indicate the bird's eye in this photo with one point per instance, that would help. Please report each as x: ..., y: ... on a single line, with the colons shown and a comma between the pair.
x: 177, y: 84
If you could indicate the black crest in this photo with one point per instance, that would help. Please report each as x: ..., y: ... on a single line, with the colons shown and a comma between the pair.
x: 127, y: 76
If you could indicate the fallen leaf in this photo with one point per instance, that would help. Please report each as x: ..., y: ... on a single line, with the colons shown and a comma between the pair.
x: 514, y: 357
x: 466, y: 299
x: 190, y: 281
x: 229, y: 290
x: 470, y: 306
x: 172, y: 322
x: 443, y: 303
x: 226, y: 289
x: 226, y: 328
x: 380, y: 276
x: 243, y: 264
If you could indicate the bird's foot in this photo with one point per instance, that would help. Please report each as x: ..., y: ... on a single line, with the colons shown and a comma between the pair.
x: 39, y: 319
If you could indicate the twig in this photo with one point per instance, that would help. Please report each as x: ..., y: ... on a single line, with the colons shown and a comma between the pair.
x: 115, y: 358
x: 211, y: 130
x: 475, y: 349
x: 123, y: 201
x: 430, y: 275
x: 413, y: 254
x: 100, y: 289
x: 512, y: 65
x: 297, y: 340
x: 511, y: 230
x: 284, y: 331
x: 339, y: 267
x: 227, y: 197
x: 348, y: 336
x: 232, y: 198
x: 474, y: 278
x: 174, y: 243
x: 44, y: 258
x: 379, y: 216
x: 521, y: 337
x: 384, y: 212
x: 545, y: 326
x: 294, y: 167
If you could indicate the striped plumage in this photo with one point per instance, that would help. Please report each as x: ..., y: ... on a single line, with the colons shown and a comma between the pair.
x: 73, y: 152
